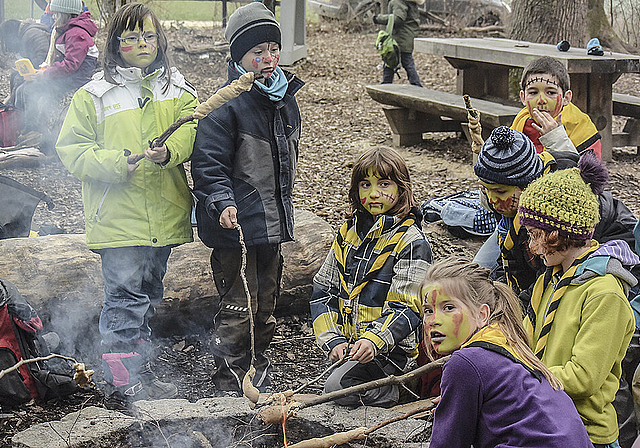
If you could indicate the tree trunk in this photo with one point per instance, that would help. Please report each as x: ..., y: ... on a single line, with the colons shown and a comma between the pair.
x: 549, y: 21
x: 598, y: 25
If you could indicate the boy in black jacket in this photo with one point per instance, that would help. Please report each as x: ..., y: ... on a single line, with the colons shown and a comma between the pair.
x: 243, y: 167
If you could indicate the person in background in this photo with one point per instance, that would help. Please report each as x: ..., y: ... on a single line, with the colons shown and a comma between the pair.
x: 406, y: 18
x: 365, y: 302
x: 243, y: 167
x: 137, y: 204
x: 579, y: 320
x: 74, y: 66
x: 495, y: 392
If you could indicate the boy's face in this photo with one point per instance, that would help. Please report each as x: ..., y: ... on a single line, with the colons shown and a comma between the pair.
x: 144, y: 52
x: 377, y: 195
x: 262, y: 59
x: 448, y: 323
x: 542, y: 91
x: 503, y: 198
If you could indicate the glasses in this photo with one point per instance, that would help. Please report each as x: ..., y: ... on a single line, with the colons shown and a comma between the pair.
x: 133, y: 39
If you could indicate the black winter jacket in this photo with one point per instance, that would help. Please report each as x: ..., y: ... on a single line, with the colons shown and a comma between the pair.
x: 245, y: 156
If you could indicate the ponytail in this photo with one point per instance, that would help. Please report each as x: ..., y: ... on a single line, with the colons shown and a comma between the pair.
x: 470, y: 283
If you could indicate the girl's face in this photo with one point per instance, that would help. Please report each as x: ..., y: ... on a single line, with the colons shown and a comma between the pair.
x: 503, y: 198
x: 448, y: 323
x: 262, y: 59
x: 139, y: 47
x: 543, y: 93
x: 377, y: 195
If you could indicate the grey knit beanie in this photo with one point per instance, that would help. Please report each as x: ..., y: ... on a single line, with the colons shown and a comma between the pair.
x: 508, y: 157
x: 250, y: 25
x: 66, y: 6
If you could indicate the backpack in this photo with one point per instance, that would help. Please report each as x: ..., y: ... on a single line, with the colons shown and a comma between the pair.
x: 462, y: 213
x: 388, y: 47
x: 19, y: 339
x: 10, y: 124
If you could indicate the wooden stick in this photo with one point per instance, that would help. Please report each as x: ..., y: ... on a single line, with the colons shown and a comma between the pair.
x: 273, y: 414
x: 82, y: 377
x: 355, y: 434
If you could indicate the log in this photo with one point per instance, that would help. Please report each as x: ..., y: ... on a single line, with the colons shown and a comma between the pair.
x: 62, y: 280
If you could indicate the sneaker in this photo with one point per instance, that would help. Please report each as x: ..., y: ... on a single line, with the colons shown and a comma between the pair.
x: 154, y: 388
x: 122, y: 397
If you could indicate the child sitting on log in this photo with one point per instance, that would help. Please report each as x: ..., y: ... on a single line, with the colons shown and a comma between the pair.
x: 365, y: 302
x: 495, y: 392
x: 579, y: 321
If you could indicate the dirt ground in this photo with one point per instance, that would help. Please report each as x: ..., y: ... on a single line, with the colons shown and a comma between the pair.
x: 339, y: 122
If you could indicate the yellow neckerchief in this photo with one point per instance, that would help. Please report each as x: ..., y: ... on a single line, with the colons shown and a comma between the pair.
x: 554, y: 300
x: 348, y: 236
x: 492, y: 338
x: 578, y: 125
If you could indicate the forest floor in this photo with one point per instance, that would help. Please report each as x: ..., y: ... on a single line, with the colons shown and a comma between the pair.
x: 339, y: 121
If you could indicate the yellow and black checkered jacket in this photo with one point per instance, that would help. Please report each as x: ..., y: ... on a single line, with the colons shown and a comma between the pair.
x: 368, y: 286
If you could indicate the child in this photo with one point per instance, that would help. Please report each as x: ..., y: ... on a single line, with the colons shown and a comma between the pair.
x: 243, y: 168
x: 365, y: 302
x: 507, y: 163
x: 579, y: 321
x: 37, y: 97
x: 405, y: 28
x: 495, y: 392
x: 135, y: 210
x: 549, y: 118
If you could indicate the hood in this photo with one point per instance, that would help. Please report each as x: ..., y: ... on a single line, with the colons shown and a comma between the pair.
x: 613, y: 257
x: 83, y: 21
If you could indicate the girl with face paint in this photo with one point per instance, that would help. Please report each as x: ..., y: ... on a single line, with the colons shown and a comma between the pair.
x: 495, y: 392
x: 136, y: 198
x: 364, y: 304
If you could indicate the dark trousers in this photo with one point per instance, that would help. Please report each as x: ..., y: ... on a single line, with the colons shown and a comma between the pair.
x: 231, y: 339
x: 406, y: 60
x: 352, y: 373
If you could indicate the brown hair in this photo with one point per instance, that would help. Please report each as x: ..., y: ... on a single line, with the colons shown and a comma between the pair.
x: 127, y: 18
x: 388, y: 164
x: 552, y: 240
x: 470, y: 283
x: 548, y: 66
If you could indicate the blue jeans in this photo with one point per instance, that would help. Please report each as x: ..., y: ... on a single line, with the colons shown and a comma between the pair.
x: 613, y: 444
x: 132, y: 290
x: 489, y: 253
x: 406, y: 60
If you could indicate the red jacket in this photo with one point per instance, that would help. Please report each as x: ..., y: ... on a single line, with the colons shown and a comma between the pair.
x: 75, y: 42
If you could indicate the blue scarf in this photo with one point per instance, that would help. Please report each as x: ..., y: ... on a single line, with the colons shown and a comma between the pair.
x: 274, y: 87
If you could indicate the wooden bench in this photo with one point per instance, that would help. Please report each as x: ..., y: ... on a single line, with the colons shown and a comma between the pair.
x: 627, y: 106
x: 412, y: 111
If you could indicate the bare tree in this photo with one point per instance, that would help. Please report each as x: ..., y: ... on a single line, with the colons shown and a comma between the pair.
x: 550, y: 21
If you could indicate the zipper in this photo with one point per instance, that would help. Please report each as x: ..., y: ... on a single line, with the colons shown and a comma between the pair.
x: 104, y: 196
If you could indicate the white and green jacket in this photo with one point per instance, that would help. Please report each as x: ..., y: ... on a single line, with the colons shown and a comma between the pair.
x: 152, y: 206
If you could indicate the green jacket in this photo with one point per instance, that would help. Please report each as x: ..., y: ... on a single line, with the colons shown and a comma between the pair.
x: 151, y: 207
x: 588, y: 340
x: 406, y: 23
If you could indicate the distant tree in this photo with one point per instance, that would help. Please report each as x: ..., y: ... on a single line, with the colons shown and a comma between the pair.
x: 550, y: 21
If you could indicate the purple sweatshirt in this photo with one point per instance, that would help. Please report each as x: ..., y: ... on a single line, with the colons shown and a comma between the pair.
x: 489, y: 401
x: 75, y: 43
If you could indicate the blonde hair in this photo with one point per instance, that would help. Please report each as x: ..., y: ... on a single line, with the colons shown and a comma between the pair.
x: 470, y: 283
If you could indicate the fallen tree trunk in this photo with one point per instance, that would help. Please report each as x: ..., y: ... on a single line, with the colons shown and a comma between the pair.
x: 62, y: 279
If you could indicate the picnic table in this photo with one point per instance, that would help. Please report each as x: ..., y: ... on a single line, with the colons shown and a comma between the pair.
x: 483, y: 66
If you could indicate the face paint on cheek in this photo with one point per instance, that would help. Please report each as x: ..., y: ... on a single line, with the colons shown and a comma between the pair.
x: 363, y: 200
x: 558, y: 106
x: 126, y: 49
x: 255, y: 62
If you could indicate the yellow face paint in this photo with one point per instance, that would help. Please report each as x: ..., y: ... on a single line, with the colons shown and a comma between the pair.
x: 377, y: 195
x: 543, y: 93
x: 503, y: 198
x: 143, y: 53
x: 447, y: 321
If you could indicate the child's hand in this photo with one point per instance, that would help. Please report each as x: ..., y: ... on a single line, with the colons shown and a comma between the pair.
x: 133, y: 161
x: 544, y: 122
x: 228, y: 217
x: 362, y: 351
x: 338, y: 351
x: 157, y: 154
